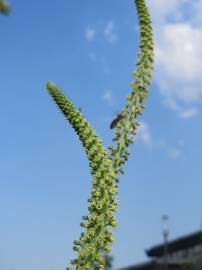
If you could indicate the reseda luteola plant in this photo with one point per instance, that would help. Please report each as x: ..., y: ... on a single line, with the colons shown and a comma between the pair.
x: 96, y: 238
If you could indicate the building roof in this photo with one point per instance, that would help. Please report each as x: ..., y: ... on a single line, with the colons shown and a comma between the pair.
x: 142, y: 266
x: 152, y: 265
x: 180, y: 243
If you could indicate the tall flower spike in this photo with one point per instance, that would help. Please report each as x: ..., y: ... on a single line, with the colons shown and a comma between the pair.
x: 4, y: 7
x: 127, y: 124
x: 97, y: 237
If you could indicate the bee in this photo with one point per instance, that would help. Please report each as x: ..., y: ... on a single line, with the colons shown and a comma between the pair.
x: 116, y: 120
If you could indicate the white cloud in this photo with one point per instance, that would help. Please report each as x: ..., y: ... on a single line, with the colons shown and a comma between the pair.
x: 186, y: 114
x: 109, y: 32
x: 183, y: 113
x: 90, y: 34
x: 143, y: 133
x: 108, y: 97
x: 174, y: 153
x: 163, y: 8
x: 178, y: 62
x: 178, y: 53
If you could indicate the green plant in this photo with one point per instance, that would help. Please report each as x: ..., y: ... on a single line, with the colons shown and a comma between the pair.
x: 4, y: 7
x: 195, y: 264
x: 108, y: 261
x: 96, y: 239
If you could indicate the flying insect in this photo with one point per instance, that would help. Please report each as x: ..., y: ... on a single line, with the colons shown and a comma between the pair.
x: 116, y: 120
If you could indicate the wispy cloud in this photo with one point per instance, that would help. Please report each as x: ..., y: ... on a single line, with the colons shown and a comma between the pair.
x: 174, y: 152
x: 182, y: 112
x: 101, y: 61
x: 110, y: 33
x: 187, y: 114
x: 143, y: 133
x: 108, y: 97
x: 90, y: 34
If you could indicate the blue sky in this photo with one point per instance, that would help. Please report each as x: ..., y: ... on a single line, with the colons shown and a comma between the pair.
x: 89, y: 48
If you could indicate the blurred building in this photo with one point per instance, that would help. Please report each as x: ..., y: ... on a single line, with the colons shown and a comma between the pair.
x: 174, y: 256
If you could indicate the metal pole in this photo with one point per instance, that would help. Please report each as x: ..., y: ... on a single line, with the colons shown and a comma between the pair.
x: 165, y: 236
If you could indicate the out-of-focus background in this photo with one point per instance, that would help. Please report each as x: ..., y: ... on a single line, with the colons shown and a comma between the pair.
x: 89, y: 49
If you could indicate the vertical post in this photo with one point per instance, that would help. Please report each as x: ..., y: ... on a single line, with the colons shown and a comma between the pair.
x: 165, y: 229
x: 201, y: 232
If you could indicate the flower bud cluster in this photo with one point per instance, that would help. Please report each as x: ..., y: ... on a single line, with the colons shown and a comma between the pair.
x: 4, y: 7
x: 97, y: 236
x: 126, y: 128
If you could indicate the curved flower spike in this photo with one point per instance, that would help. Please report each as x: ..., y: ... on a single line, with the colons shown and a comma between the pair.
x: 102, y: 204
x: 126, y: 127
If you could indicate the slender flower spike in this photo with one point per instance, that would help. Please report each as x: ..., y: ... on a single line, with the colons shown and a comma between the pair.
x: 97, y: 237
x: 126, y: 127
x: 4, y: 7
